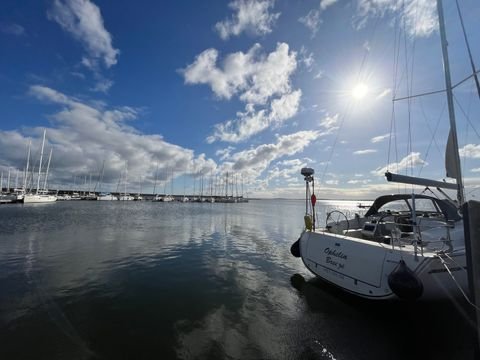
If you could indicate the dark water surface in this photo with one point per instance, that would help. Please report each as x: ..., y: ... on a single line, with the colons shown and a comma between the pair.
x: 143, y: 280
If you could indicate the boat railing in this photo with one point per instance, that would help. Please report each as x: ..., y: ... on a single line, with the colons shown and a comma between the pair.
x: 415, y: 237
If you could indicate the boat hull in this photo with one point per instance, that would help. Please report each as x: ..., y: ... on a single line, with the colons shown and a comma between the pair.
x: 35, y: 199
x: 363, y: 267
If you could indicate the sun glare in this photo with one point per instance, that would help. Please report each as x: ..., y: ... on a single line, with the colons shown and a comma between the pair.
x: 360, y: 91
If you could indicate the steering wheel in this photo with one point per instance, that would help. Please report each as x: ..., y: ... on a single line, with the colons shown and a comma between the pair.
x: 335, y: 217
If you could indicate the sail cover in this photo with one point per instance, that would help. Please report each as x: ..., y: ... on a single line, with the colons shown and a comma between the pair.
x: 450, y: 165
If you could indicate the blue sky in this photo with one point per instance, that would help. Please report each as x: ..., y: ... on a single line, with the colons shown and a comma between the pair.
x: 256, y: 88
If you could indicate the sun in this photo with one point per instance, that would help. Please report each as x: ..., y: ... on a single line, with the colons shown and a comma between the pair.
x: 360, y: 91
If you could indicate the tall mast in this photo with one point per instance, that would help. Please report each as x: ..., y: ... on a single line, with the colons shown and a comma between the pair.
x: 41, y: 159
x: 155, y: 183
x: 8, y: 182
x: 126, y: 179
x: 46, y: 173
x: 451, y: 110
x: 25, y: 179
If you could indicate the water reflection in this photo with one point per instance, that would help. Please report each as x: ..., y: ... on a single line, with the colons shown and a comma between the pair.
x: 140, y: 280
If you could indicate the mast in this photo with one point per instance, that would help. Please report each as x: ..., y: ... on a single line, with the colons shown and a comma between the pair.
x: 41, y: 159
x: 25, y: 179
x: 8, y: 182
x: 155, y: 183
x: 46, y: 174
x: 451, y: 109
x: 126, y: 179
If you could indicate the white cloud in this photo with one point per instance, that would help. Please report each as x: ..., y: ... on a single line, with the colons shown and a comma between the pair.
x: 319, y: 74
x: 255, y: 161
x: 103, y: 85
x: 329, y: 123
x: 306, y: 58
x: 83, y: 20
x: 251, y: 122
x: 251, y: 16
x: 326, y: 3
x: 12, y: 29
x: 254, y: 77
x: 410, y: 161
x: 470, y: 151
x: 289, y: 172
x: 312, y: 21
x: 357, y: 181
x: 263, y: 82
x: 419, y: 16
x: 379, y: 138
x: 331, y: 182
x: 365, y: 152
x: 224, y: 153
x: 82, y: 135
x: 475, y: 170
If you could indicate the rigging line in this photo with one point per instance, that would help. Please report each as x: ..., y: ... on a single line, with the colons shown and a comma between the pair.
x: 412, y: 68
x: 420, y: 95
x: 408, y: 89
x: 466, y: 116
x: 396, y: 55
x: 433, y: 134
x: 467, y: 78
x: 468, y: 123
x: 456, y: 283
x: 454, y: 261
x: 346, y: 113
x: 348, y: 107
x: 468, y: 49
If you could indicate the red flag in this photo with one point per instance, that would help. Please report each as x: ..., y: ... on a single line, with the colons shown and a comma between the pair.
x: 314, y: 199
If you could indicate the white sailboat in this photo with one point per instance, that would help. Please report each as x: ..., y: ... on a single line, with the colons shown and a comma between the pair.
x: 407, y: 246
x: 41, y: 195
x: 125, y: 196
x: 106, y: 197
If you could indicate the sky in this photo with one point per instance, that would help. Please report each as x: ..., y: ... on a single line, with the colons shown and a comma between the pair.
x: 181, y: 91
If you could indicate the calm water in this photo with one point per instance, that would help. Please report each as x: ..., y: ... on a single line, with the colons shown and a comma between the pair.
x: 142, y: 280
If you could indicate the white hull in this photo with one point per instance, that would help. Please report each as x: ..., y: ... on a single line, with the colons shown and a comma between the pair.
x: 362, y: 267
x: 41, y: 198
x: 106, y: 198
x: 6, y: 198
x: 126, y: 198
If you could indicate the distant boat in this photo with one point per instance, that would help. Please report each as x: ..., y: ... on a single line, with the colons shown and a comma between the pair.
x: 7, y: 198
x: 126, y: 197
x: 168, y: 198
x: 64, y: 197
x: 41, y: 195
x: 106, y: 197
x: 75, y: 196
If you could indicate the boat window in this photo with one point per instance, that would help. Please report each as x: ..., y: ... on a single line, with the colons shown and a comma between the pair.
x: 395, y: 206
x: 423, y: 205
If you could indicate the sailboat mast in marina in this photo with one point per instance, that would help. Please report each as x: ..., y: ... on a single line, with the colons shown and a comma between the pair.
x: 41, y: 195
